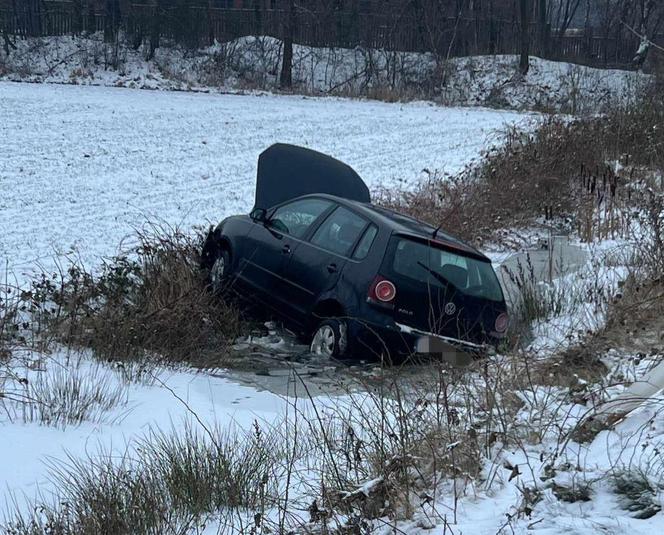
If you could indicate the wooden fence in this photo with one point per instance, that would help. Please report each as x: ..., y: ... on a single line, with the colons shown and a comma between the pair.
x: 195, y: 26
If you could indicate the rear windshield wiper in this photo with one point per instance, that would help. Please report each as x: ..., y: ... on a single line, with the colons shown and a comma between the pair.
x: 436, y: 275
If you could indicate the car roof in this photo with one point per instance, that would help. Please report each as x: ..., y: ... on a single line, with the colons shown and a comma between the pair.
x: 402, y: 224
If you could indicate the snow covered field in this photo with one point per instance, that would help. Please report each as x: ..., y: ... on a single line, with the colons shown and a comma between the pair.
x: 80, y: 166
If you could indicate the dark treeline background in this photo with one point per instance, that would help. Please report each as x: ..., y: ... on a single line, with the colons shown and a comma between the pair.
x: 594, y: 32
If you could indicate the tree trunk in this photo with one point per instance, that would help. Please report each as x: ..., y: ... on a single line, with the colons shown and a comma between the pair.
x: 76, y: 17
x: 111, y: 20
x: 6, y: 29
x: 7, y: 43
x: 91, y: 19
x: 492, y: 29
x: 542, y: 30
x: 155, y: 29
x: 524, y: 63
x: 588, y: 33
x: 286, y: 78
x: 34, y: 17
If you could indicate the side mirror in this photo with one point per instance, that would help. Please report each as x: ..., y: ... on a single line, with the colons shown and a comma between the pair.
x: 259, y: 215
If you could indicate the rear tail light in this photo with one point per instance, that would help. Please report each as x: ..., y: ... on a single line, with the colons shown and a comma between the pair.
x: 382, y: 291
x: 502, y: 321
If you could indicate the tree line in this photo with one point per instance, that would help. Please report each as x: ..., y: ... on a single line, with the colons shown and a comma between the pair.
x: 595, y: 32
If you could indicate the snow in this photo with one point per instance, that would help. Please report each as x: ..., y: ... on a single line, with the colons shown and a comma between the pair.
x: 549, y: 85
x: 253, y: 62
x: 153, y: 404
x: 81, y: 166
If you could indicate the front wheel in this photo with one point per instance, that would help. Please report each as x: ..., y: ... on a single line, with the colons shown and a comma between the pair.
x: 330, y: 339
x: 220, y: 272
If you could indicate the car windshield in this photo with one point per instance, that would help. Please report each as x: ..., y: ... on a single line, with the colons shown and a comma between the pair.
x: 441, y: 267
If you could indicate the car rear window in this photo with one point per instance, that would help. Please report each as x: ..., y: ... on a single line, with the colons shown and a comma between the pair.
x: 440, y: 267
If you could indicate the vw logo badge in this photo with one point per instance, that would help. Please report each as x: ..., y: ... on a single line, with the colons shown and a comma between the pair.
x: 450, y: 309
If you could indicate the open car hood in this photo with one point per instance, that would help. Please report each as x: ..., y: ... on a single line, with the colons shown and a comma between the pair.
x: 287, y: 171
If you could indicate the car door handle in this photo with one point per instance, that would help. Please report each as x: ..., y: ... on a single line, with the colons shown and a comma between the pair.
x: 286, y: 249
x: 332, y: 268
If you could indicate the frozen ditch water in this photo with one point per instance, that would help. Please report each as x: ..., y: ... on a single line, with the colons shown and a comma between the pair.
x: 542, y: 264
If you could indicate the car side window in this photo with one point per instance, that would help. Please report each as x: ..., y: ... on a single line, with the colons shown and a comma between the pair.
x: 365, y: 244
x: 339, y: 231
x: 296, y: 217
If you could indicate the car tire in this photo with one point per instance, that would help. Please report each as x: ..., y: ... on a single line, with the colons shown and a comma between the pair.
x: 330, y: 339
x: 219, y: 275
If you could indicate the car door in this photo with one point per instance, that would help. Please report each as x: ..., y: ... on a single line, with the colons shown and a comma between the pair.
x: 270, y: 244
x: 315, y: 266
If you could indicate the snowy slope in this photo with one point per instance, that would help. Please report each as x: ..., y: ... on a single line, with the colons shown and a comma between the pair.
x: 80, y: 166
x: 254, y: 63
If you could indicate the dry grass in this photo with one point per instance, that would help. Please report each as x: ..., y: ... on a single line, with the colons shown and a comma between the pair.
x: 68, y: 395
x: 172, y: 483
x: 562, y: 173
x: 151, y: 302
x: 388, y: 450
x: 532, y: 175
x: 636, y: 320
x: 10, y: 321
x: 637, y: 494
x: 635, y: 314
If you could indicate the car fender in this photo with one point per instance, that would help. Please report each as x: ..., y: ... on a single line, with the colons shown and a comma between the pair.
x: 227, y: 235
x: 343, y: 294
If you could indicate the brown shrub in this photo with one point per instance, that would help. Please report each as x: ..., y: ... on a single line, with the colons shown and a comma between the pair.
x: 562, y: 171
x: 151, y: 302
x: 531, y: 175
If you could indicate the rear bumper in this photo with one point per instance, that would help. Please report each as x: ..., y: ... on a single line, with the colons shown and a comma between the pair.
x: 426, y: 342
x: 404, y: 341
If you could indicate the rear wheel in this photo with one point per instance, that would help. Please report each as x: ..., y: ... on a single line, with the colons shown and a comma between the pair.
x: 330, y: 339
x: 220, y: 272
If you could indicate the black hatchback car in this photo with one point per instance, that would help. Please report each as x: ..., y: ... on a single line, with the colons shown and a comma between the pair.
x: 355, y: 278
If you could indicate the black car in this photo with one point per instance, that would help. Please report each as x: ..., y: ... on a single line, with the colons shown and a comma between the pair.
x: 353, y: 277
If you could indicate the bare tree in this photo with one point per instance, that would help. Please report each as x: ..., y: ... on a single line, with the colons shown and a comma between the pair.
x: 565, y: 15
x: 7, y: 43
x: 111, y: 20
x: 77, y: 17
x: 155, y: 27
x: 524, y: 12
x: 286, y: 78
x: 6, y: 28
x: 648, y: 17
x: 542, y: 28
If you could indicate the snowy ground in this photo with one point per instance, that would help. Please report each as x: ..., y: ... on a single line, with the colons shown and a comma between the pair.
x: 254, y: 63
x: 490, y: 505
x: 79, y: 166
x: 144, y: 406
